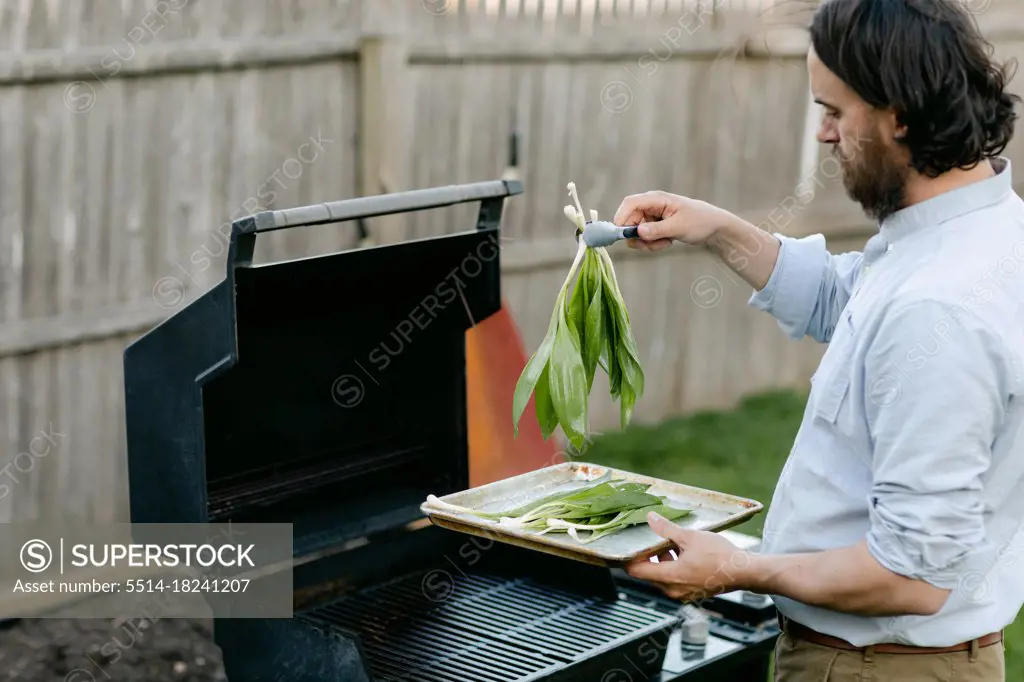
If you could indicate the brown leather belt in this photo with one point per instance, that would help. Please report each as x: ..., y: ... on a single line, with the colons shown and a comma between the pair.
x: 798, y: 631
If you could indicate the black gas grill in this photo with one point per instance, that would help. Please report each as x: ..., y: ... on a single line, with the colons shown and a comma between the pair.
x: 330, y: 393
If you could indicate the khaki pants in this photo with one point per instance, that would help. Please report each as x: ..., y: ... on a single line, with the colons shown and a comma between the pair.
x: 801, y: 661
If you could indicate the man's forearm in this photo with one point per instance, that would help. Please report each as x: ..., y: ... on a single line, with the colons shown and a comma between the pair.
x: 848, y: 580
x: 747, y: 249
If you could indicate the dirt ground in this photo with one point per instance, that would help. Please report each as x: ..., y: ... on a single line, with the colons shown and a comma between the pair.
x: 102, y: 650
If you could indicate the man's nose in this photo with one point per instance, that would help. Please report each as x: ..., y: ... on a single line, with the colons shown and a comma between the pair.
x: 827, y: 135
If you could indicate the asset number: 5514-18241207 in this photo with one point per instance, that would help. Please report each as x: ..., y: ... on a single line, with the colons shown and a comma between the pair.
x: 188, y: 585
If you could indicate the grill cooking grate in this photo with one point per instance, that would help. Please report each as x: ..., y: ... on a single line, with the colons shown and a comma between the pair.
x: 431, y: 627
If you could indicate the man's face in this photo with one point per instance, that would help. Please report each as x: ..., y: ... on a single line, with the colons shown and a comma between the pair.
x: 863, y: 139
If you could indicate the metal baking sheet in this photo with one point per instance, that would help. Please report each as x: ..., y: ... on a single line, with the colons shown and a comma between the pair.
x: 712, y: 511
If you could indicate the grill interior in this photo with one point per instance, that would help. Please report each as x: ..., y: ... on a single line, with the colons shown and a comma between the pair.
x: 272, y: 484
x: 433, y: 626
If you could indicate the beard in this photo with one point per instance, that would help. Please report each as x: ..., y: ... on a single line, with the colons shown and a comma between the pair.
x: 875, y: 178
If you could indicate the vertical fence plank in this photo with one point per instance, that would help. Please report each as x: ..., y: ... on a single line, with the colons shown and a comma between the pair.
x: 13, y: 225
x: 385, y: 109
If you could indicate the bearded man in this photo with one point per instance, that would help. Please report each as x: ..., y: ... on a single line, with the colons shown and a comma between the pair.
x: 890, y: 543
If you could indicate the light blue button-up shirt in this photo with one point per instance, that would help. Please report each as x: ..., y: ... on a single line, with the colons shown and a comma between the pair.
x: 912, y: 437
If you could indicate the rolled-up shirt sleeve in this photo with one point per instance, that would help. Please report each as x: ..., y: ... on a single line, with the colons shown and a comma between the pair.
x: 808, y: 287
x: 925, y: 362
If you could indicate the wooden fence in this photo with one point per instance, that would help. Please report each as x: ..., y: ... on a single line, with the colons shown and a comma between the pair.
x: 132, y: 134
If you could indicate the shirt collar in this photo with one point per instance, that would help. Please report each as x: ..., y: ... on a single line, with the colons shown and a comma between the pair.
x: 952, y: 204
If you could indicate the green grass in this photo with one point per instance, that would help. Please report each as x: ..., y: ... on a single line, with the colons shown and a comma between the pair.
x: 739, y: 451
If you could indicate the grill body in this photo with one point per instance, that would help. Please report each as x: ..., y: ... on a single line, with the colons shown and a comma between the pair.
x: 330, y: 393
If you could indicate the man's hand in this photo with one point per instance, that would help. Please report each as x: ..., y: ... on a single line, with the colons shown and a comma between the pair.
x: 663, y: 218
x: 707, y: 563
x: 848, y: 579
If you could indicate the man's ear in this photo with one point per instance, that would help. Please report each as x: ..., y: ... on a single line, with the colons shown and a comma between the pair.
x: 899, y: 128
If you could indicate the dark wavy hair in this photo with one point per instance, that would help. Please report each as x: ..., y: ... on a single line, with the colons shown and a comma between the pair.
x: 927, y: 60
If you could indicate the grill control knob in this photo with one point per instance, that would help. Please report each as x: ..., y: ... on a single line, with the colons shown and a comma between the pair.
x: 693, y: 628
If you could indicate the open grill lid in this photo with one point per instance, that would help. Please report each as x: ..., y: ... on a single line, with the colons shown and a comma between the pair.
x: 327, y: 392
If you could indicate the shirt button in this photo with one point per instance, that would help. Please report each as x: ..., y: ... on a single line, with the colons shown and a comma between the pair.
x: 888, y: 248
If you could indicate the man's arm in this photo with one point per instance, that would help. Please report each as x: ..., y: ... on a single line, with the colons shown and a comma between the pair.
x: 948, y: 378
x: 931, y: 449
x: 932, y: 446
x: 747, y: 249
x: 847, y: 579
x: 797, y: 281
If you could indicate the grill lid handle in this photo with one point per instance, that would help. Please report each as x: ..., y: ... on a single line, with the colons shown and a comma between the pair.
x: 490, y: 193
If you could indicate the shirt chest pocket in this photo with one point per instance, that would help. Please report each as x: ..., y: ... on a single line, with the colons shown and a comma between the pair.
x: 831, y: 383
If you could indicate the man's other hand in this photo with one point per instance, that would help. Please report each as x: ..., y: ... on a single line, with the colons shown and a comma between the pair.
x: 707, y: 563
